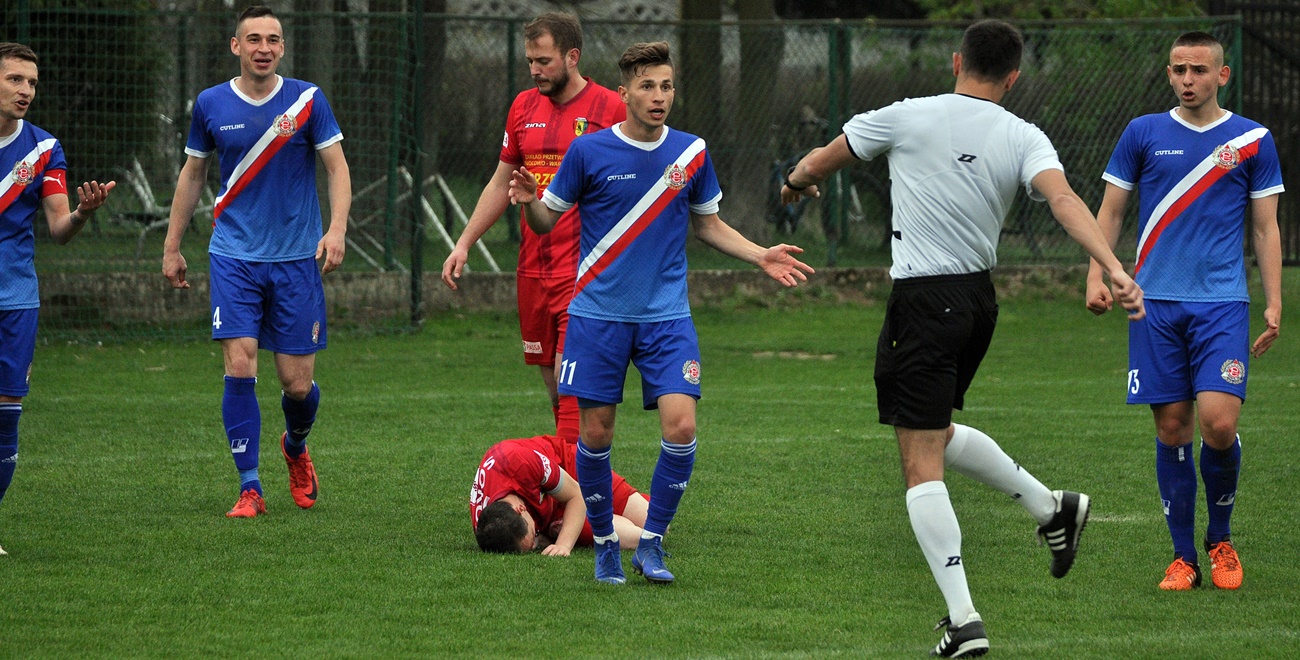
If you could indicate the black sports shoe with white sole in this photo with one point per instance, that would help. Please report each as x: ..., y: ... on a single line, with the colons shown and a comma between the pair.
x: 1062, y: 532
x: 965, y: 641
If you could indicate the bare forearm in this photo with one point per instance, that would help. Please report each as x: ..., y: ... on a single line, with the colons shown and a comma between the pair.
x: 715, y: 233
x: 540, y: 217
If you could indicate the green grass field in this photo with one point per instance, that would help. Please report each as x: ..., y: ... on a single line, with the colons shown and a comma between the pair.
x: 792, y: 542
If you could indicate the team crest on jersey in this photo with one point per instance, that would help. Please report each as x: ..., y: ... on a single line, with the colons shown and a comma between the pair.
x: 691, y: 372
x: 1227, y: 157
x: 1233, y: 371
x: 675, y: 177
x: 315, y: 332
x: 285, y: 125
x: 24, y: 173
x: 580, y: 126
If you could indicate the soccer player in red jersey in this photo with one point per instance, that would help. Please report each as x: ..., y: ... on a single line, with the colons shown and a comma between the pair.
x: 543, y: 121
x: 525, y: 497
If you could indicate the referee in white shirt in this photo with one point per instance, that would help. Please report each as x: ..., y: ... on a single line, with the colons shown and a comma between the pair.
x: 955, y: 163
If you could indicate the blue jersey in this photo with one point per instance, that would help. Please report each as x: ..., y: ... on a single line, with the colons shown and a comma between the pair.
x: 1193, y: 186
x: 637, y: 199
x: 267, y: 209
x: 33, y: 167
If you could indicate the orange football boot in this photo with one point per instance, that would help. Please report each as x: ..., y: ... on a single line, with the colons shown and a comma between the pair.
x: 1181, y: 576
x: 250, y: 504
x: 302, y: 476
x: 1225, y: 568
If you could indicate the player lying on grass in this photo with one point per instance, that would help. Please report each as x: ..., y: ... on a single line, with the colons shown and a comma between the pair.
x: 525, y: 498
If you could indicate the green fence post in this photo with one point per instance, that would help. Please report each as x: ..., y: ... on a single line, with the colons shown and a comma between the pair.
x: 394, y: 160
x: 417, y: 166
x: 832, y: 206
x: 24, y: 22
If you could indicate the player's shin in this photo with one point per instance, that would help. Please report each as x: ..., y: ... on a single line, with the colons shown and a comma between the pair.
x: 976, y: 455
x: 596, y: 482
x: 935, y: 524
x: 1176, y: 476
x: 243, y: 421
x: 671, y: 476
x: 9, y: 414
x: 299, y: 416
x: 1219, y: 472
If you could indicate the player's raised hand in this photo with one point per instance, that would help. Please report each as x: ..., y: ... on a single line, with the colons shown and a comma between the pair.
x: 91, y: 195
x: 174, y: 269
x: 1272, y: 324
x: 452, y: 267
x: 1129, y: 295
x: 1098, y: 298
x: 789, y: 196
x: 781, y: 266
x: 331, y: 247
x: 523, y: 186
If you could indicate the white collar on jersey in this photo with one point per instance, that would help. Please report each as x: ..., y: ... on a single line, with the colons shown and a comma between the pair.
x: 646, y: 146
x: 1200, y: 129
x: 279, y: 82
x: 8, y: 139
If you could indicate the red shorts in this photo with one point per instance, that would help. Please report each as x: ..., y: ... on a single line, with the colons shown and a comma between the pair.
x: 543, y: 316
x: 623, y: 491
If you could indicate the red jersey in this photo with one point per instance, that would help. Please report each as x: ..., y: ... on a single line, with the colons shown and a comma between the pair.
x: 527, y: 467
x: 538, y: 133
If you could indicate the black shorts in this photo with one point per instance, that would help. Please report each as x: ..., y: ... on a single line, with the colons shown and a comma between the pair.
x: 937, y: 330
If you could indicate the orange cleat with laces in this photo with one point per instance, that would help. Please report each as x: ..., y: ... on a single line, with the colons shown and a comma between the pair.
x: 1181, y: 576
x: 250, y: 504
x: 1225, y: 567
x: 302, y: 476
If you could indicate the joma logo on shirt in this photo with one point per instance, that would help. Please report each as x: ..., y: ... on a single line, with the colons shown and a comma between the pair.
x: 536, y: 124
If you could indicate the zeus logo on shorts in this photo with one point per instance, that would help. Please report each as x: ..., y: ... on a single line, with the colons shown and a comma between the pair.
x: 238, y: 445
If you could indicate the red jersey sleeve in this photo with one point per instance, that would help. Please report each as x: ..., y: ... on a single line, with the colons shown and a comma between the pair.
x: 510, y: 147
x: 54, y: 182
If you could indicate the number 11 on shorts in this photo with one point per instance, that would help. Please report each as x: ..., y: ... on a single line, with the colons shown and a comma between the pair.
x: 566, y: 371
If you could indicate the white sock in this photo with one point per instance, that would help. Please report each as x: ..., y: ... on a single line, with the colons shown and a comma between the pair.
x: 936, y: 529
x: 977, y: 456
x: 612, y: 538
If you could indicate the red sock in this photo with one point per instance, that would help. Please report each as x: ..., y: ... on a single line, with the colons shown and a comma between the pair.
x: 566, y: 419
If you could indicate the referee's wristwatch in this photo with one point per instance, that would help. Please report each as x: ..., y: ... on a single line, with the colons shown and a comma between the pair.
x: 790, y: 185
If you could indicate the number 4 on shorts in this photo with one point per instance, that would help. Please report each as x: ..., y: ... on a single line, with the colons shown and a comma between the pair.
x: 216, y: 318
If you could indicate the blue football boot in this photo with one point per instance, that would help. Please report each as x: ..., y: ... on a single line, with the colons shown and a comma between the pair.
x: 609, y: 563
x: 649, y: 561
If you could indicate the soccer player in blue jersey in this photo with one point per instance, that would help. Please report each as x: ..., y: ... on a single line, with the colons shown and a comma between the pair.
x: 957, y: 162
x: 266, y: 131
x: 640, y: 185
x: 35, y: 177
x: 1200, y: 171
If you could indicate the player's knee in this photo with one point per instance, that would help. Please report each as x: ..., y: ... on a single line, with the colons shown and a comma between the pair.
x: 501, y: 529
x: 1219, y: 432
x: 680, y: 431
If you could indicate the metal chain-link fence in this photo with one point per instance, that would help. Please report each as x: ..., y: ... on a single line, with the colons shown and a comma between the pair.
x: 424, y: 98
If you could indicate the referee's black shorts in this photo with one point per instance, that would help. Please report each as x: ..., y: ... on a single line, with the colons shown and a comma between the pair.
x: 937, y: 330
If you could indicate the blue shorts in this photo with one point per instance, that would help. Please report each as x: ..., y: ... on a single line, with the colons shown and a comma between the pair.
x: 1182, y: 348
x: 17, y: 348
x: 281, y: 304
x: 596, y: 355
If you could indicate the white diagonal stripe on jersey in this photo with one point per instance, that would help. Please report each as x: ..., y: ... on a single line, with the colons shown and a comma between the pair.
x: 31, y: 157
x: 651, y: 196
x: 1189, y: 181
x: 262, y: 143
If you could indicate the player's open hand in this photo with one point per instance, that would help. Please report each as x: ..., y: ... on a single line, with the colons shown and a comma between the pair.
x: 523, y: 186
x: 789, y: 196
x: 556, y: 550
x: 174, y: 269
x: 452, y: 267
x: 91, y: 195
x: 1272, y: 324
x: 1129, y: 295
x: 778, y: 263
x: 1098, y: 298
x: 331, y: 247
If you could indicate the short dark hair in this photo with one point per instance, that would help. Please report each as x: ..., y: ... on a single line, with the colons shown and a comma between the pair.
x: 500, y: 528
x: 256, y: 11
x: 991, y: 50
x: 1193, y: 39
x: 565, y: 30
x: 639, y: 57
x: 10, y: 50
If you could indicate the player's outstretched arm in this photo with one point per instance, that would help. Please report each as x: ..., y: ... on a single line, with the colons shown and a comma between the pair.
x: 189, y: 185
x: 492, y: 202
x: 1110, y: 217
x: 777, y: 261
x: 523, y: 190
x: 65, y: 224
x: 1079, y: 223
x: 575, y: 514
x: 811, y: 170
x: 334, y: 244
x: 1268, y: 254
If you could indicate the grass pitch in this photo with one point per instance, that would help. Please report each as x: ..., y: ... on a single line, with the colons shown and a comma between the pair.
x: 792, y: 542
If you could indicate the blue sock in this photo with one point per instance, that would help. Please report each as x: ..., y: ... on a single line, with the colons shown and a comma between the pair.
x: 9, y: 414
x: 248, y: 479
x: 243, y: 422
x: 672, y: 474
x: 298, y: 419
x: 597, y: 484
x: 1176, y: 475
x: 1219, y: 471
